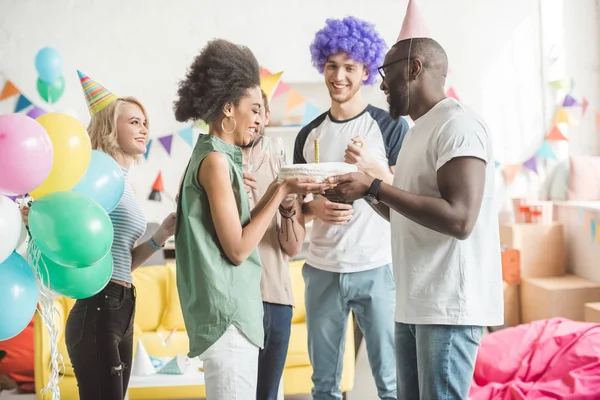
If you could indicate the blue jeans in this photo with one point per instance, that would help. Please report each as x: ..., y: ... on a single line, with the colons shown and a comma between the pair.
x: 271, y: 359
x: 330, y: 297
x: 436, y: 361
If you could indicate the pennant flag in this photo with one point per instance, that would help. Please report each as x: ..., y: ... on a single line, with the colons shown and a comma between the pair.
x: 310, y: 112
x: 187, y: 134
x: 510, y: 171
x: 264, y: 72
x: 531, y: 164
x: 282, y: 89
x: 294, y: 100
x: 570, y: 101
x: 593, y: 229
x: 148, y: 149
x: 562, y: 116
x: 497, y: 164
x: 22, y: 103
x: 269, y: 84
x: 452, y: 93
x: 158, y: 183
x: 584, y: 106
x: 9, y: 90
x: 555, y: 134
x: 597, y: 122
x: 546, y: 151
x: 166, y: 141
x: 564, y: 83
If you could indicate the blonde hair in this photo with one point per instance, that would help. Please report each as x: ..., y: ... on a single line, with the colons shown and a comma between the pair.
x: 103, y: 126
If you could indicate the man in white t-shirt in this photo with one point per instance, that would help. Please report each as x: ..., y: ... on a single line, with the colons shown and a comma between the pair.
x: 445, y: 240
x: 348, y: 267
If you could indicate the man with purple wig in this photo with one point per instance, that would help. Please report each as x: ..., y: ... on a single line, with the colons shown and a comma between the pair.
x: 348, y: 267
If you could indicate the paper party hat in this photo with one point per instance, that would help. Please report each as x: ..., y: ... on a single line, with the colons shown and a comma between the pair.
x: 142, y: 364
x: 268, y: 84
x: 413, y: 25
x: 96, y: 95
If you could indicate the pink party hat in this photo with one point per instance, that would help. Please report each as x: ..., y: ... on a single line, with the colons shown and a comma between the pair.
x: 96, y: 95
x: 413, y: 25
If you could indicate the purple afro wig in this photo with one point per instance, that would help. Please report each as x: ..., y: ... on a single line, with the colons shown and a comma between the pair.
x: 353, y: 36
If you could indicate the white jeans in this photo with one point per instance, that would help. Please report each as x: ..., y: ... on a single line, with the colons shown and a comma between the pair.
x: 231, y: 367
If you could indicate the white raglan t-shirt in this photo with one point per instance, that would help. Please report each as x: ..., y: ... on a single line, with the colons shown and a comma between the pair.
x: 440, y: 279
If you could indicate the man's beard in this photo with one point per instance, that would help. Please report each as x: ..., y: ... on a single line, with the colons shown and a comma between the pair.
x: 399, y: 103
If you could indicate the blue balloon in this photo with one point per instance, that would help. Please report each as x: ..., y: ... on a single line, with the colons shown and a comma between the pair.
x: 49, y: 64
x: 18, y: 295
x: 103, y: 181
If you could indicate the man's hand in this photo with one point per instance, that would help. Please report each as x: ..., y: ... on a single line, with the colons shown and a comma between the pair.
x: 351, y: 186
x: 357, y: 154
x: 330, y: 212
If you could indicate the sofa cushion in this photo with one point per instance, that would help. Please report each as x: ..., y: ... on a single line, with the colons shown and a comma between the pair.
x: 299, y: 314
x: 298, y: 349
x: 172, y: 317
x: 151, y: 301
x: 155, y: 346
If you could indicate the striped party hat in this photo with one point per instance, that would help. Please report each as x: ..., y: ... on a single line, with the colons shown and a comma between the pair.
x: 96, y: 95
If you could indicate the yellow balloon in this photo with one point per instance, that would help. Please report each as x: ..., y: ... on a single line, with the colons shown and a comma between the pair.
x: 72, y: 153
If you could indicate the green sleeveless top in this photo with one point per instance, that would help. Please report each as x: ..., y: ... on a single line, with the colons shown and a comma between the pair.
x: 214, y: 293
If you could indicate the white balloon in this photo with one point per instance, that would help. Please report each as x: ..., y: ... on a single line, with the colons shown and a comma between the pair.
x: 10, y: 227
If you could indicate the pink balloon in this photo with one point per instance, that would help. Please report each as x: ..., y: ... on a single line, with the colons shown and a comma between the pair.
x: 26, y: 154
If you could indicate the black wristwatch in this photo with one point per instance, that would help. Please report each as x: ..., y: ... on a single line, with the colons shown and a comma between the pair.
x: 372, y: 195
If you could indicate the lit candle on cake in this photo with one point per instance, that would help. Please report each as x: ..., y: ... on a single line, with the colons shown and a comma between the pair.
x: 316, y: 151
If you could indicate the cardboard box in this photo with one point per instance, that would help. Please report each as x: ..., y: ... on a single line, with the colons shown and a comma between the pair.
x: 592, y: 312
x: 511, y: 266
x: 541, y: 248
x: 560, y: 296
x: 512, y: 306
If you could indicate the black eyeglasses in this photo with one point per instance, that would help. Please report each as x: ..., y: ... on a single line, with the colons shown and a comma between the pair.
x: 381, y: 69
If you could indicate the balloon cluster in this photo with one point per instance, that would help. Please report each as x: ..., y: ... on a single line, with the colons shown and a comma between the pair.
x: 50, y: 83
x: 74, y: 188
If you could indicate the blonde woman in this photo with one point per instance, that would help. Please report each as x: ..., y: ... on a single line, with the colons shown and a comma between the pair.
x: 99, y: 331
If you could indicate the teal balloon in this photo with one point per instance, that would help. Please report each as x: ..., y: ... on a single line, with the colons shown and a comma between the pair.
x: 70, y: 229
x: 51, y: 92
x: 49, y: 64
x: 76, y: 283
x: 18, y: 295
x: 103, y: 181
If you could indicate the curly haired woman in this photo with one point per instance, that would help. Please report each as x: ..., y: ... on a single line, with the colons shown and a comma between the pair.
x: 216, y: 238
x: 348, y: 267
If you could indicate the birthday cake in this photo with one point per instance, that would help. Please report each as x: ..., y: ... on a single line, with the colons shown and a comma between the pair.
x: 319, y: 172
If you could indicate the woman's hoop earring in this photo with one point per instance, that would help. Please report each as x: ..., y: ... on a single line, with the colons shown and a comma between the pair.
x: 223, y: 125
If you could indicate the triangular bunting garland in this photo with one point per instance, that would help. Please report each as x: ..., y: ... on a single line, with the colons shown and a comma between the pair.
x: 264, y: 72
x: 282, y: 89
x: 158, y: 183
x: 148, y: 149
x: 310, y: 112
x: 510, y: 171
x: 562, y: 116
x: 546, y: 151
x: 531, y: 164
x: 497, y: 164
x: 555, y: 135
x: 166, y: 141
x: 269, y: 84
x: 294, y: 100
x: 569, y: 101
x: 9, y: 90
x: 187, y: 134
x: 22, y: 103
x: 563, y: 83
x: 584, y: 105
x: 593, y: 229
x: 452, y: 93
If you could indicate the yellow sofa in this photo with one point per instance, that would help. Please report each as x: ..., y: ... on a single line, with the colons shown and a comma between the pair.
x: 157, y: 314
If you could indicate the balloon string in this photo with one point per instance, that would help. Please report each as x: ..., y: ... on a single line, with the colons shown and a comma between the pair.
x: 48, y: 312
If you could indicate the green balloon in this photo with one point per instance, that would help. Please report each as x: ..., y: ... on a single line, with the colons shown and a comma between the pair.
x: 70, y: 229
x: 76, y: 283
x: 51, y: 92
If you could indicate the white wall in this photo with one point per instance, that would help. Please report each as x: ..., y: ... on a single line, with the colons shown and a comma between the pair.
x: 143, y: 47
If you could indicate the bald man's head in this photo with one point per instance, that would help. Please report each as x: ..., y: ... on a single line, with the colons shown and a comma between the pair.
x: 420, y: 62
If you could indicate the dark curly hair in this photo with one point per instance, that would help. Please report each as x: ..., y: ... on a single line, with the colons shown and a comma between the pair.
x: 220, y: 74
x: 353, y: 36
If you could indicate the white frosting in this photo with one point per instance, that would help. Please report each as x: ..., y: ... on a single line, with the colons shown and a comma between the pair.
x: 319, y: 171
